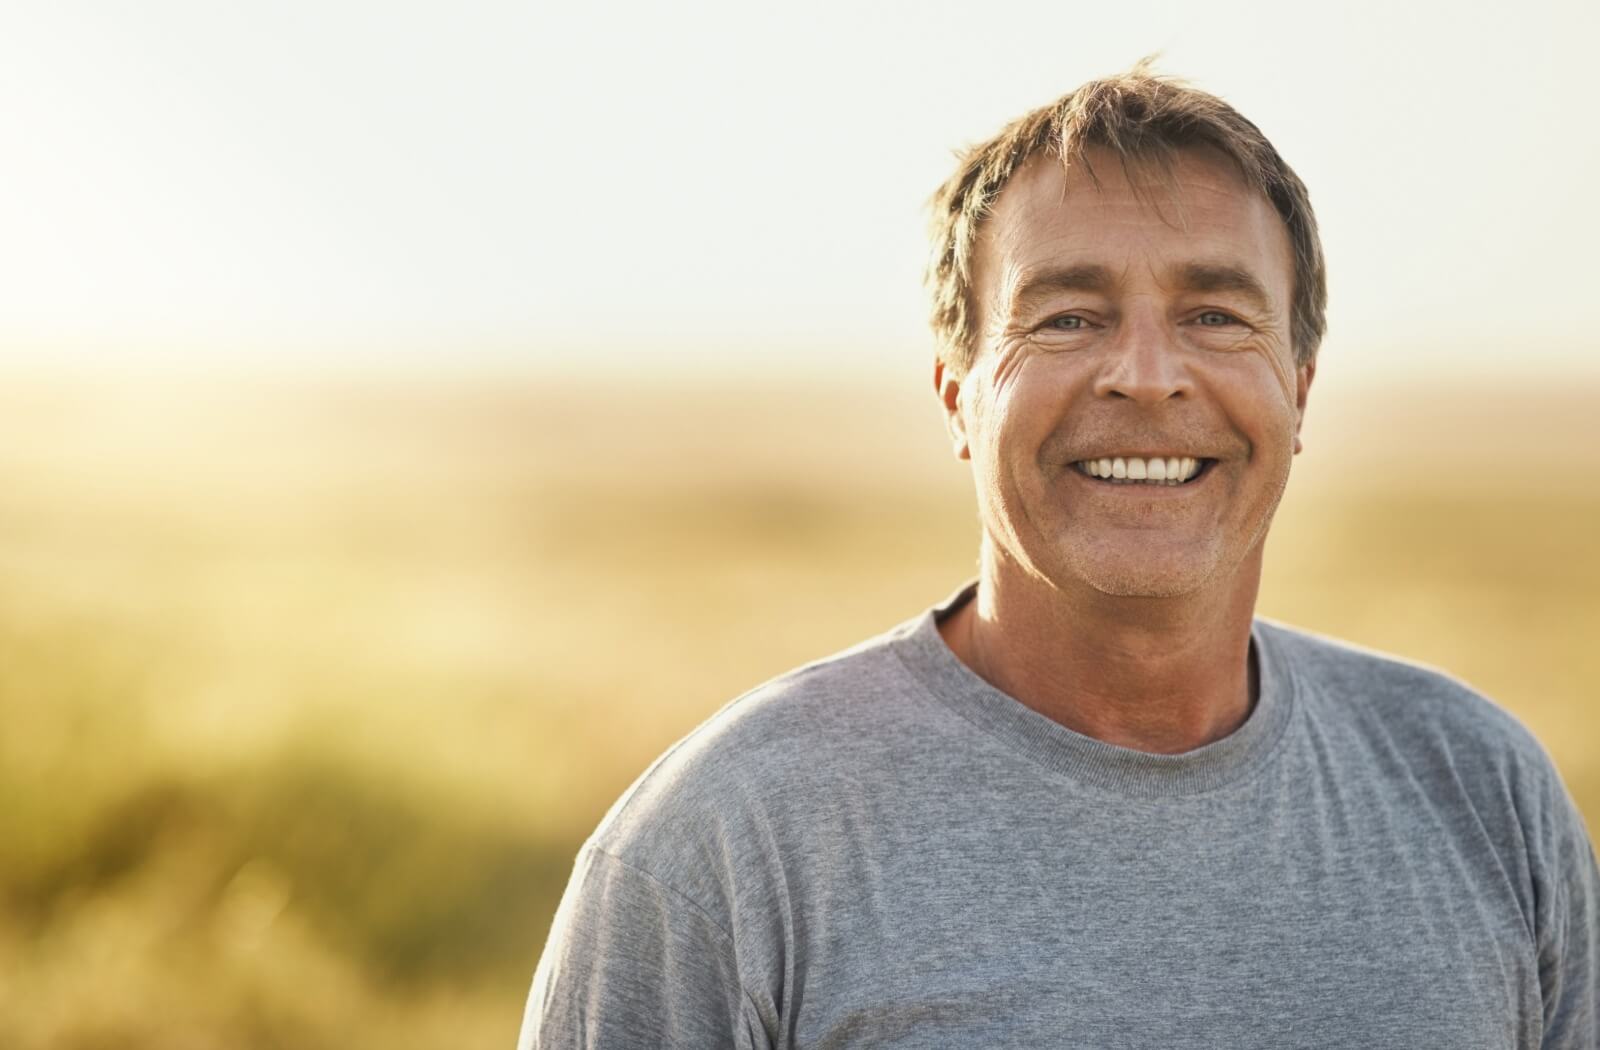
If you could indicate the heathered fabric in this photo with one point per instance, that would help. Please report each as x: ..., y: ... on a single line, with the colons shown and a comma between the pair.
x: 881, y: 850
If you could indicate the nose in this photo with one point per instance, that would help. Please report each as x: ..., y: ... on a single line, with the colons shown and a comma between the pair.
x: 1144, y: 363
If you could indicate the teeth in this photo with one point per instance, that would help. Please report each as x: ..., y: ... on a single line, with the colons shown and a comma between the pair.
x: 1169, y: 470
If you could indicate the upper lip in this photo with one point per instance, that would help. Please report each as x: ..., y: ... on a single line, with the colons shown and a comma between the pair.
x: 1141, y: 455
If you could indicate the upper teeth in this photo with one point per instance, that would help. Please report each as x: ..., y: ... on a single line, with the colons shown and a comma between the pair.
x: 1171, y: 470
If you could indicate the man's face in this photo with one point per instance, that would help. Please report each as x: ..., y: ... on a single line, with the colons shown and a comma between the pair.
x: 1113, y: 335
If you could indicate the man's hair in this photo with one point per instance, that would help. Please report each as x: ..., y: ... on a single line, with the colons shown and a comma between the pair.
x: 1144, y: 120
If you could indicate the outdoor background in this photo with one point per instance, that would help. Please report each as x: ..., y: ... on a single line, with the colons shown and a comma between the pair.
x: 413, y: 418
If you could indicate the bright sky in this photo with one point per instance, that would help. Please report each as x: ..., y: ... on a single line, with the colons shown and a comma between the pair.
x: 664, y: 186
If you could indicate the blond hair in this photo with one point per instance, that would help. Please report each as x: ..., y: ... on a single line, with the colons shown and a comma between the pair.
x: 1144, y: 120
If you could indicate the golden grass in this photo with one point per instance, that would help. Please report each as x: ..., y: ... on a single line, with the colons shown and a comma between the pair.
x: 313, y: 688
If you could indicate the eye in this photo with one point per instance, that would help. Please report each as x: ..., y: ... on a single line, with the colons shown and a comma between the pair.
x: 1066, y: 323
x: 1215, y: 319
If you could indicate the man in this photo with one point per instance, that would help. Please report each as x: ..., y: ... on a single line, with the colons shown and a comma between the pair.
x: 1090, y: 800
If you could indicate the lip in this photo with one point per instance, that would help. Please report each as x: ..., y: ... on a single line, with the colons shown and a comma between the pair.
x: 1154, y: 453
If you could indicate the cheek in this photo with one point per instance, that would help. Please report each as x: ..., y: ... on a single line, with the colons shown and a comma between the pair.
x: 1022, y: 417
x: 1007, y: 445
x: 1254, y: 387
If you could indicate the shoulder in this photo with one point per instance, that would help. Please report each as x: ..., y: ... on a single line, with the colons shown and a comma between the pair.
x: 1414, y: 715
x: 1403, y: 692
x: 726, y: 792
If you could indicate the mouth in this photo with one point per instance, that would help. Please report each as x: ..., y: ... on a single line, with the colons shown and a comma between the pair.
x: 1167, y: 471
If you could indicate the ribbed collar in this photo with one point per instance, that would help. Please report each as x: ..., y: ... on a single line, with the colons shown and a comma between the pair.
x: 1122, y: 770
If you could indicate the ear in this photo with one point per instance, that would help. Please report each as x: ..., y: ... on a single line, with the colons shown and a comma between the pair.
x: 948, y: 387
x: 1302, y: 389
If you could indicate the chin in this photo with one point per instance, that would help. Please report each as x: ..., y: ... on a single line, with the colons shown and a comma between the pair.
x: 1144, y: 577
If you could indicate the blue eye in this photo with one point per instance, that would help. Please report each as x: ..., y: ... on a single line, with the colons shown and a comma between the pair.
x: 1222, y: 319
x: 1060, y: 323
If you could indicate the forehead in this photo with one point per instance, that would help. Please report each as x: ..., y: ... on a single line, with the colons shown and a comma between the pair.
x: 1046, y: 217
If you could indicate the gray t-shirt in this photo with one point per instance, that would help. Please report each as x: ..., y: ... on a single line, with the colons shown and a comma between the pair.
x: 882, y: 850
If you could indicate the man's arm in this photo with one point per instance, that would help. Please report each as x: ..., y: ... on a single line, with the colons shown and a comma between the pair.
x: 632, y: 963
x: 1567, y: 916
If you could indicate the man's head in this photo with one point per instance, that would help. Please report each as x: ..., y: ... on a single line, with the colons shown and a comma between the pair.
x: 1143, y: 121
x: 1130, y: 286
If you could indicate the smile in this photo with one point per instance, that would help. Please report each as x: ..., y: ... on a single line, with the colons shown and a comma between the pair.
x: 1140, y: 470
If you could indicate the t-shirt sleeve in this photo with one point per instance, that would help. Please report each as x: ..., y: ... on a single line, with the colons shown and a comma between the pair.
x: 631, y: 962
x: 1568, y: 927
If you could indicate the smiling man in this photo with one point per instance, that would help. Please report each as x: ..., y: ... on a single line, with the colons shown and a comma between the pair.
x: 1090, y: 800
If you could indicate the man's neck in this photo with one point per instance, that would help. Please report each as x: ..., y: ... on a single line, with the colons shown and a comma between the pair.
x: 1163, y: 675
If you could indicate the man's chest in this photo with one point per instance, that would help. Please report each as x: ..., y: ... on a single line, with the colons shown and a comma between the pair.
x: 1157, y: 937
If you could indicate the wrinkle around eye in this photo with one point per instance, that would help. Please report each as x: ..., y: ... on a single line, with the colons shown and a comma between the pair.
x: 1266, y: 345
x: 1224, y: 337
x: 1056, y: 341
x: 1233, y: 335
x: 1050, y: 337
x: 1012, y: 354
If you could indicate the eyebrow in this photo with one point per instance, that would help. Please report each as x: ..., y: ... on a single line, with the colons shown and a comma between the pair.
x: 1222, y: 277
x: 1091, y: 277
x: 1040, y: 284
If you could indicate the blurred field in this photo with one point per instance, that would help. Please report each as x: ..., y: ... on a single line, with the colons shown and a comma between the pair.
x: 313, y: 687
